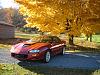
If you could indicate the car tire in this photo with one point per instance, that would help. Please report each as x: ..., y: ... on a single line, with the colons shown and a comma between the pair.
x: 63, y: 50
x: 47, y: 57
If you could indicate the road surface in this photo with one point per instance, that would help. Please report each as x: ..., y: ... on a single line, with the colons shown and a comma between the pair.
x: 68, y: 60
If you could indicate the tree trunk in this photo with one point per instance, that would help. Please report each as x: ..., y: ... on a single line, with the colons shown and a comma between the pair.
x: 90, y: 37
x: 71, y: 39
x: 41, y: 33
x: 87, y: 38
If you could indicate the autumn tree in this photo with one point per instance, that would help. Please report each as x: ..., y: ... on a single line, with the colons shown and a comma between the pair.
x: 57, y: 16
x: 17, y: 18
x: 6, y: 15
x: 92, y: 23
x: 10, y: 15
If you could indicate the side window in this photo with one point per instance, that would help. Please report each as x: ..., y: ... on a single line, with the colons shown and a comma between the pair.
x: 48, y: 40
x: 56, y: 40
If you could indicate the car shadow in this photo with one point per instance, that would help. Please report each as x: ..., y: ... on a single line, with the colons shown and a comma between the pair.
x: 69, y: 64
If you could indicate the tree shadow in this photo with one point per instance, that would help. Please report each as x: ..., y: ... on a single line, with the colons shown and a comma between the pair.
x: 58, y: 71
x: 12, y: 41
x: 98, y: 46
x: 84, y: 49
x: 69, y: 64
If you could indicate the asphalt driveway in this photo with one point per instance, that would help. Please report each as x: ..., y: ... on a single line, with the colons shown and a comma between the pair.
x: 68, y: 60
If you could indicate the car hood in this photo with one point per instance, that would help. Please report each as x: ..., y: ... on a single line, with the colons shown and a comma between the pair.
x: 24, y: 47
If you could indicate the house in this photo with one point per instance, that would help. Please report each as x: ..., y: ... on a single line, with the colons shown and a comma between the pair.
x: 6, y: 30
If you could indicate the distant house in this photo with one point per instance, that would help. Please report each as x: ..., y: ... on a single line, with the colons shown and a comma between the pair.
x: 6, y: 30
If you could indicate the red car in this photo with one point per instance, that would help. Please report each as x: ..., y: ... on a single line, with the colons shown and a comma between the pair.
x: 38, y: 48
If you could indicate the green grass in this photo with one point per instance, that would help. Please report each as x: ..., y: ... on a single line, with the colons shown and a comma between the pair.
x: 23, y: 35
x: 14, y: 69
x: 5, y: 46
x: 96, y: 38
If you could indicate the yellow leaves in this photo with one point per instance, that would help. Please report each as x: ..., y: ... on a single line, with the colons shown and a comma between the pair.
x: 91, y: 26
x: 50, y: 11
x: 35, y: 2
x: 22, y: 9
x: 43, y: 15
x: 22, y: 2
x: 89, y: 29
x: 50, y: 16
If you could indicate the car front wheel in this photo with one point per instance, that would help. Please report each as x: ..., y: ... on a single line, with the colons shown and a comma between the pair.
x: 47, y: 57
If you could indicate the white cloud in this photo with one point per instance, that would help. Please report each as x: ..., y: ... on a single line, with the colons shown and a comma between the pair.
x: 8, y: 3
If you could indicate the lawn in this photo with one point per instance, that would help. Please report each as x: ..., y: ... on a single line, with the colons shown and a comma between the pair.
x: 96, y: 38
x: 24, y: 35
x: 14, y: 69
x: 87, y: 45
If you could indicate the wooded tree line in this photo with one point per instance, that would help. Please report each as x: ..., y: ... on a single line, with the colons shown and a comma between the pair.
x: 12, y: 16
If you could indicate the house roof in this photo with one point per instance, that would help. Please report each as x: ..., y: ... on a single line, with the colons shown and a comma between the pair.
x: 6, y: 24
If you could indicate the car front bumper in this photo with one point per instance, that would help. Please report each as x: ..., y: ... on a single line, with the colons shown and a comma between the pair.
x: 30, y: 56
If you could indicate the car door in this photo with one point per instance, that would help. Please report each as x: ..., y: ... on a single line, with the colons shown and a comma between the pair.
x: 56, y: 46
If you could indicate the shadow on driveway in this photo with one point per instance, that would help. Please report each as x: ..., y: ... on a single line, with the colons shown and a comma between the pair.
x: 68, y: 60
x: 68, y: 64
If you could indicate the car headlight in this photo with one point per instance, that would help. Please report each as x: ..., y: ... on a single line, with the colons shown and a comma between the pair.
x: 34, y: 51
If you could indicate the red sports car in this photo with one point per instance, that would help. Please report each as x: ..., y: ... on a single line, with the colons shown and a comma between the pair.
x: 41, y: 48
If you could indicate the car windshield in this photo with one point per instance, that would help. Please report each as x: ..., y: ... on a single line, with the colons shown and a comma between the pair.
x: 44, y: 39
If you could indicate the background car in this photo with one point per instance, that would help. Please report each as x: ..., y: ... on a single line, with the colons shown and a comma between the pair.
x: 38, y: 48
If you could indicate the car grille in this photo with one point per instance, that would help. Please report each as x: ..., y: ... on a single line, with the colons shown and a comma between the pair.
x: 23, y: 56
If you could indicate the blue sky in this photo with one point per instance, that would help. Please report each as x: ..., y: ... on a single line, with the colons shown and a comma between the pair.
x: 8, y: 3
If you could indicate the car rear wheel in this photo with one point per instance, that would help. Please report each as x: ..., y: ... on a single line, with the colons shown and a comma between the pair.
x: 63, y: 50
x: 47, y: 57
